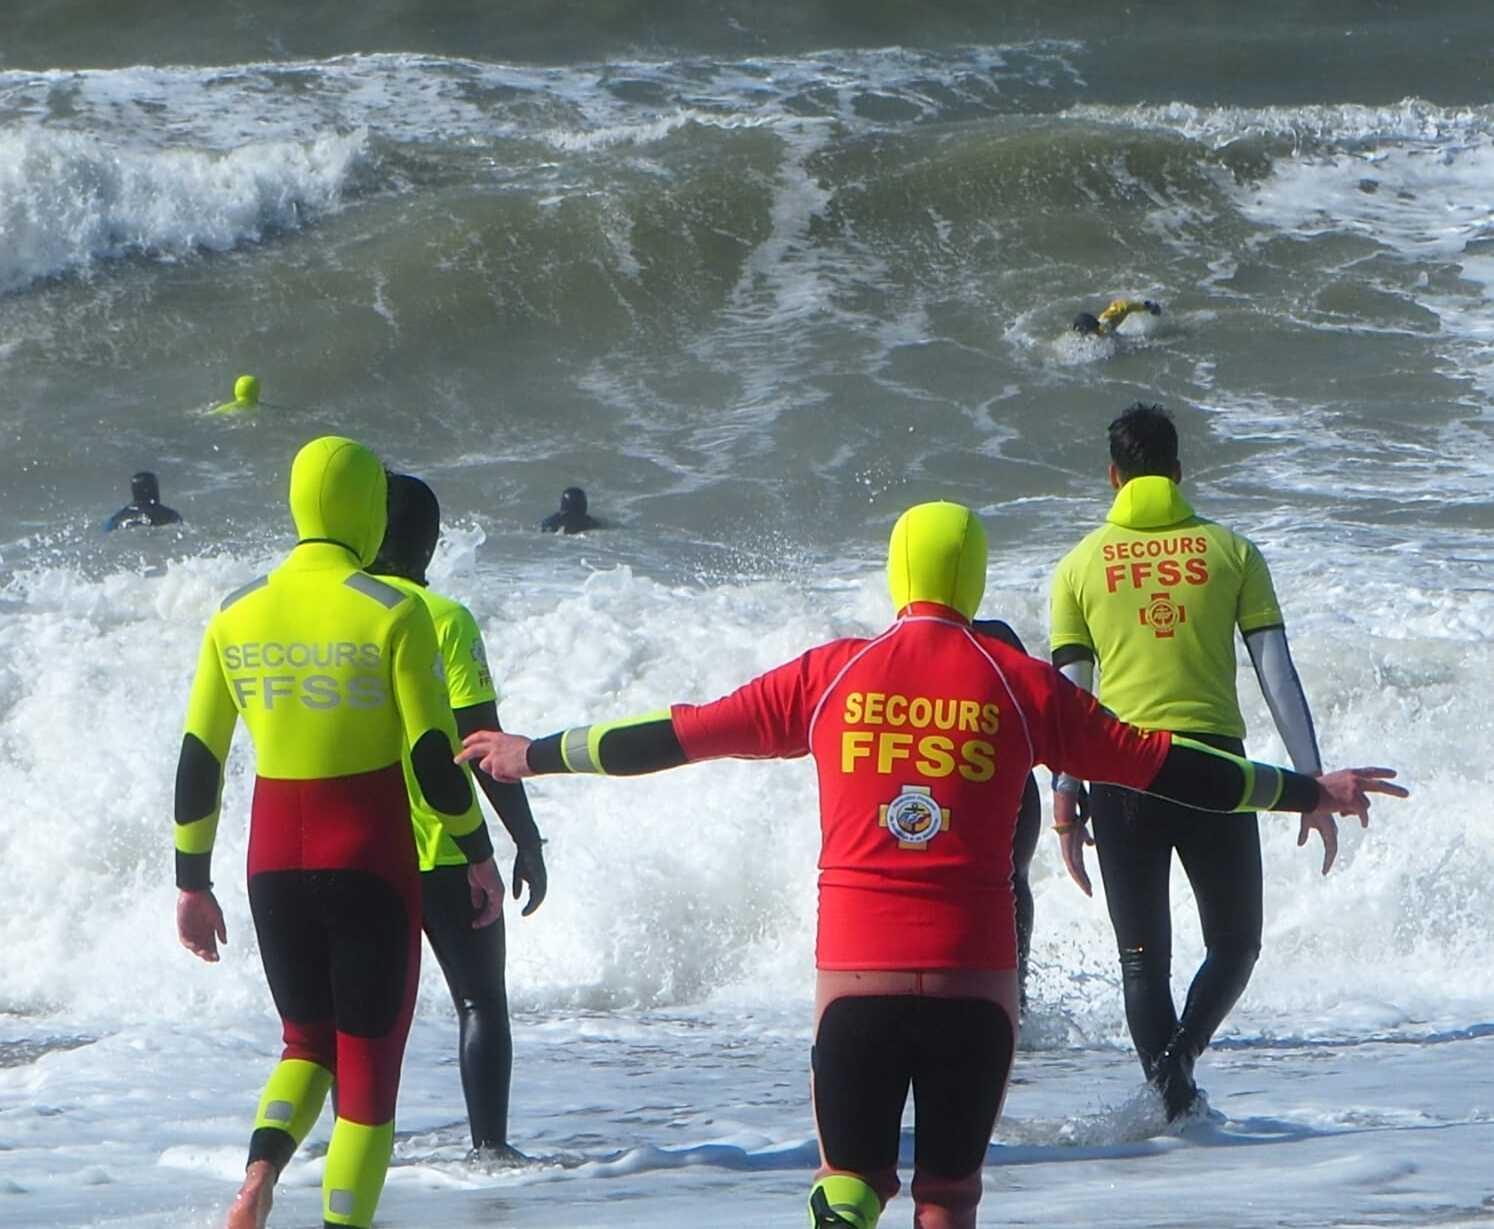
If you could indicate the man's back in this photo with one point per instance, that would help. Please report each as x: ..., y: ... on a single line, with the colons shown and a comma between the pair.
x: 1156, y: 594
x: 308, y: 656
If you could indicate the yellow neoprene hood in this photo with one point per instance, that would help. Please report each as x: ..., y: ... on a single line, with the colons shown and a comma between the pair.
x: 938, y: 554
x: 339, y: 493
x: 246, y: 390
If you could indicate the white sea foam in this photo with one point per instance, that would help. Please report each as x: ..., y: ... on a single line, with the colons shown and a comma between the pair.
x: 68, y: 201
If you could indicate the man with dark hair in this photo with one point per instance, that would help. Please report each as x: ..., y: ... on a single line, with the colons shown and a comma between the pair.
x: 1153, y: 597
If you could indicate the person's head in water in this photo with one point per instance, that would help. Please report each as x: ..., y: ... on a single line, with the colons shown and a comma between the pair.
x: 572, y: 516
x: 245, y: 396
x: 414, y: 527
x: 144, y: 489
x: 1086, y: 325
x: 937, y: 553
x: 145, y: 506
x: 1143, y: 443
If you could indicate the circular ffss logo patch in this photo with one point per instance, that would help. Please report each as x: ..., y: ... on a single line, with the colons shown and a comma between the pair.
x: 914, y: 818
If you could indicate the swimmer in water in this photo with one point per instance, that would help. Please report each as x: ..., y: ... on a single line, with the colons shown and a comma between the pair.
x: 245, y: 396
x: 338, y: 678
x: 924, y: 737
x: 572, y: 516
x: 145, y: 507
x: 1105, y: 324
x: 471, y: 958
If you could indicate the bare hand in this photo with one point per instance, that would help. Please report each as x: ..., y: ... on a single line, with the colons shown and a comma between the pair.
x: 1346, y: 792
x: 487, y: 892
x: 529, y: 867
x: 504, y: 757
x: 199, y: 924
x: 1323, y: 823
x: 1074, y: 837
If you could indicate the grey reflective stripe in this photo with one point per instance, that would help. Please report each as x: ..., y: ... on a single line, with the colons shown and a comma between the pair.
x: 575, y: 750
x: 340, y: 1203
x: 1272, y: 659
x: 279, y: 1111
x: 1265, y: 788
x: 385, y: 595
x: 243, y: 591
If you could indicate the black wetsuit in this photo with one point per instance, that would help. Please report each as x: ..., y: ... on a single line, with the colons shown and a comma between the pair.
x: 473, y: 961
x: 1135, y: 836
x: 147, y: 508
x: 572, y: 516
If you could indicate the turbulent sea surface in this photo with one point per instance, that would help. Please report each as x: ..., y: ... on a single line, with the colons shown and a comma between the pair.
x: 757, y: 276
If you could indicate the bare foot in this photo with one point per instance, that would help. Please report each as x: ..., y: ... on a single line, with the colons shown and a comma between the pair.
x: 251, y: 1206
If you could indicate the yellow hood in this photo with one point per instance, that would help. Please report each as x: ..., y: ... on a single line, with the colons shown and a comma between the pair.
x: 938, y: 554
x: 339, y: 493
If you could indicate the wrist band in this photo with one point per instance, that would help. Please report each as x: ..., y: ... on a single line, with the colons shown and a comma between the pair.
x: 1062, y: 828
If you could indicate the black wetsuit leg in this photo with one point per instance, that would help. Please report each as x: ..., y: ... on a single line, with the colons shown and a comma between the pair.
x: 472, y: 962
x: 1024, y: 846
x: 1135, y: 853
x: 1135, y: 835
x: 955, y: 1054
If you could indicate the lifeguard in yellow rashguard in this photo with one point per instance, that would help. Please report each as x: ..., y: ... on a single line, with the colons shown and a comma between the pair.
x: 1105, y: 324
x: 334, y: 673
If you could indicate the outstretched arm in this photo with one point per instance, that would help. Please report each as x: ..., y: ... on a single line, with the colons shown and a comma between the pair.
x: 626, y: 748
x: 766, y: 718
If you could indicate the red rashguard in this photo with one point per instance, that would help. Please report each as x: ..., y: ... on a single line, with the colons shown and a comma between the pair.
x: 923, y: 738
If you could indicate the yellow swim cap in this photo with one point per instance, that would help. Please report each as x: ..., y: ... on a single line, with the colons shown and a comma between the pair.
x: 246, y: 390
x: 339, y: 493
x: 938, y: 554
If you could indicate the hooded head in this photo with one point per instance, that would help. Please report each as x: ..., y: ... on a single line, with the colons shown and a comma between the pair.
x: 246, y: 390
x: 338, y: 493
x: 938, y: 554
x: 573, y: 500
x: 144, y: 488
x: 414, y: 526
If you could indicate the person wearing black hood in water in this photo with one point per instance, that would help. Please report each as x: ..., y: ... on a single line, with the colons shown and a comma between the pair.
x: 572, y: 516
x: 471, y: 959
x: 145, y: 507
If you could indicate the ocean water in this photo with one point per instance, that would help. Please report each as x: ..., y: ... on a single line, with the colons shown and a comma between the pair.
x: 758, y: 276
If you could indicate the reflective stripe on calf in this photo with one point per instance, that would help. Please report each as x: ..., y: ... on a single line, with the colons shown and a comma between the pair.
x: 357, y: 1160
x: 288, y: 1109
x: 843, y: 1200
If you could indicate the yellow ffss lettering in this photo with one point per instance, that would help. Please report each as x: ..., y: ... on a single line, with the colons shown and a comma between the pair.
x: 854, y: 745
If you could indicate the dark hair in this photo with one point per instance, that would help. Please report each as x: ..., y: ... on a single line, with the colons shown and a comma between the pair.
x: 1143, y: 441
x: 1085, y: 324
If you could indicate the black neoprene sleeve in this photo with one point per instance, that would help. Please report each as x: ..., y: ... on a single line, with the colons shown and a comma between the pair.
x: 1200, y: 777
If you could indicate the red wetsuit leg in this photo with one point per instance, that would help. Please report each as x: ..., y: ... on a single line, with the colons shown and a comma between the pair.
x: 332, y: 866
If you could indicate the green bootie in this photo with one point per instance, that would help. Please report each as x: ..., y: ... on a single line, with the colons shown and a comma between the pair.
x: 840, y: 1201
